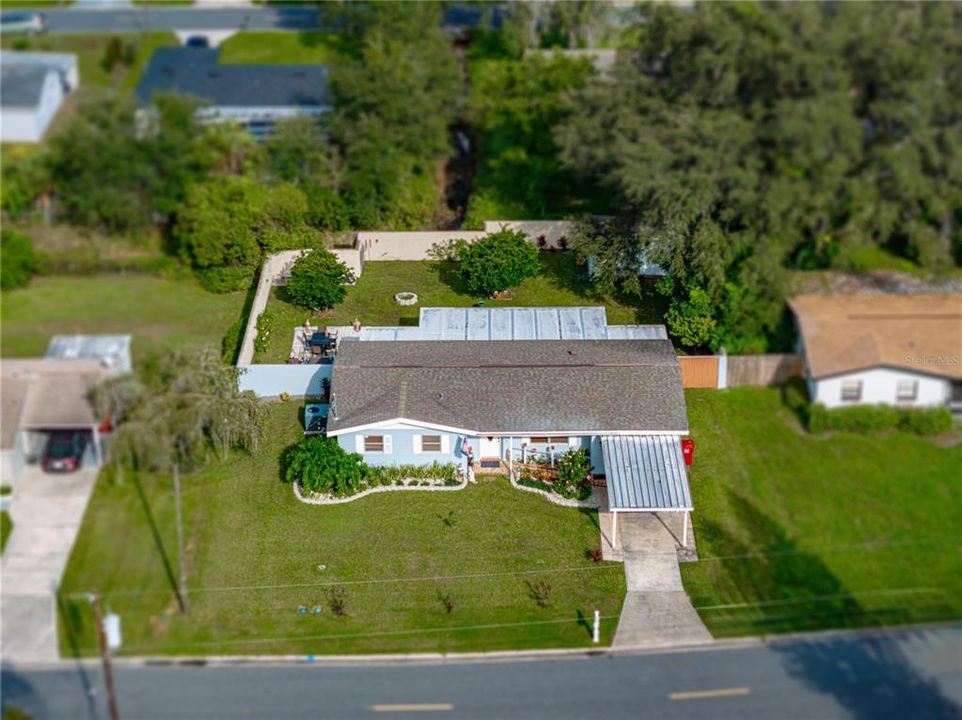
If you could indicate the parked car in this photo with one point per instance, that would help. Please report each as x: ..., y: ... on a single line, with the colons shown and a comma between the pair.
x: 22, y: 23
x: 64, y: 451
x: 197, y: 41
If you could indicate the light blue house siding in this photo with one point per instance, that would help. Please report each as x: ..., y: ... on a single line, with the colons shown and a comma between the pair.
x: 402, y: 445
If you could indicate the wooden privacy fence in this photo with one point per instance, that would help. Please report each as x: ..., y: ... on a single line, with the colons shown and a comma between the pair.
x: 721, y: 371
x: 699, y: 371
x: 763, y: 370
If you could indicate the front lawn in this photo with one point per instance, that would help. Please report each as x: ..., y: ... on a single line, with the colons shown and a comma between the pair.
x: 256, y: 555
x: 798, y: 532
x: 302, y: 48
x: 158, y: 312
x: 437, y: 284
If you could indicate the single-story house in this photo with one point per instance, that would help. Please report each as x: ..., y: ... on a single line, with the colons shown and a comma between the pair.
x: 256, y: 96
x: 903, y: 350
x: 42, y: 395
x: 484, y: 404
x: 33, y: 85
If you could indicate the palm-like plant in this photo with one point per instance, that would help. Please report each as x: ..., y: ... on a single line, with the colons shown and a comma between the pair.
x: 319, y: 464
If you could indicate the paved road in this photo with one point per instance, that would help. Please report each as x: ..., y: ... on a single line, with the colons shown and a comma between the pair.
x: 898, y: 675
x: 146, y: 17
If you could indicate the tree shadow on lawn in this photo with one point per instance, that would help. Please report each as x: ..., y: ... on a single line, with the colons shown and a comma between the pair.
x: 447, y: 274
x: 795, y: 589
x: 155, y: 532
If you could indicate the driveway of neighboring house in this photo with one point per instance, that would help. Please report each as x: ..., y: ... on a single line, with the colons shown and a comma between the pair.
x: 46, y: 511
x: 657, y: 612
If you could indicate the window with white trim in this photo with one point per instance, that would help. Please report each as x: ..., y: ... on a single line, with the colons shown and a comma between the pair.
x: 549, y: 440
x: 851, y: 390
x: 431, y: 443
x: 374, y: 443
x: 907, y: 390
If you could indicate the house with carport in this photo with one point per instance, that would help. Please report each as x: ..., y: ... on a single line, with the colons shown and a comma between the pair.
x: 486, y: 388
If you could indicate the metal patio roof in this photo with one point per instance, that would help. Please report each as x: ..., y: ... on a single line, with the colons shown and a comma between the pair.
x: 645, y: 472
x: 515, y: 323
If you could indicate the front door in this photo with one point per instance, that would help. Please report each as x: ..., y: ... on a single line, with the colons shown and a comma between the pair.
x: 489, y: 448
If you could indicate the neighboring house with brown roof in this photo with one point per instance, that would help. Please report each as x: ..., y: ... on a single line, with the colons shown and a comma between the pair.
x: 903, y: 350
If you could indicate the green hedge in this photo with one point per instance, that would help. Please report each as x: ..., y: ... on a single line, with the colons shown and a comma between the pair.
x: 868, y: 419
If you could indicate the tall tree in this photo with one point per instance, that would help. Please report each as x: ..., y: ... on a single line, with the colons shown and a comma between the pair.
x: 182, y: 410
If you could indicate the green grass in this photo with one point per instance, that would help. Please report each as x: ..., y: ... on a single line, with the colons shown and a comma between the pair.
x: 810, y: 532
x: 437, y: 284
x: 6, y: 527
x: 90, y: 51
x: 158, y: 312
x: 302, y: 48
x: 253, y: 553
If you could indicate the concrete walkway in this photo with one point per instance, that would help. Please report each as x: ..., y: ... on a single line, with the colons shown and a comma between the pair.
x: 46, y: 511
x: 657, y: 612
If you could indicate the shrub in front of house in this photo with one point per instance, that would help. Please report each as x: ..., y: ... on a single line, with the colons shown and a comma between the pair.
x: 18, y: 263
x: 321, y: 465
x: 317, y: 280
x: 869, y: 419
x: 932, y: 421
x: 569, y: 479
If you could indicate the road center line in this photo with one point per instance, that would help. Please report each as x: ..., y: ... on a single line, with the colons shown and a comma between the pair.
x: 702, y: 694
x: 413, y: 707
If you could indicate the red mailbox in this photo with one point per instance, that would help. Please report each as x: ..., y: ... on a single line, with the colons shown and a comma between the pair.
x: 688, y: 449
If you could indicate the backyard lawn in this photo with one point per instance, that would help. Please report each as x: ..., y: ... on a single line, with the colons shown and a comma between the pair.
x: 302, y: 48
x: 256, y: 554
x: 800, y: 532
x: 437, y: 284
x: 158, y: 312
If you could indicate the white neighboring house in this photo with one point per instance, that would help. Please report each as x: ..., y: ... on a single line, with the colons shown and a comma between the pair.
x: 903, y: 350
x: 33, y: 85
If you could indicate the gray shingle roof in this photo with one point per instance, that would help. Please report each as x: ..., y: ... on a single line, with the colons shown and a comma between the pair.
x: 22, y: 85
x: 195, y: 71
x: 495, y: 386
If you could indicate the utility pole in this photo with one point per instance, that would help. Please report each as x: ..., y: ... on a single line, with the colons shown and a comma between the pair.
x: 182, y: 588
x: 105, y: 658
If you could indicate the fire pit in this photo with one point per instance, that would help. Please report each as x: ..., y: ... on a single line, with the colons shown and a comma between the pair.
x: 406, y: 298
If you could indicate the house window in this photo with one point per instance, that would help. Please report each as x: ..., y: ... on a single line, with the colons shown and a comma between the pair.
x: 851, y: 390
x: 373, y: 443
x: 431, y: 443
x: 548, y: 440
x: 907, y: 390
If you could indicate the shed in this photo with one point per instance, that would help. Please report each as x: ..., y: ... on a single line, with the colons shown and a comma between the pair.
x: 32, y: 88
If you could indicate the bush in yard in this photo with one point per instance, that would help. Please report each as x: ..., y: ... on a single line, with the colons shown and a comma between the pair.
x: 317, y: 280
x: 931, y: 421
x: 265, y: 323
x: 497, y: 262
x: 337, y: 597
x: 867, y: 419
x: 573, y: 471
x: 18, y: 263
x: 320, y: 465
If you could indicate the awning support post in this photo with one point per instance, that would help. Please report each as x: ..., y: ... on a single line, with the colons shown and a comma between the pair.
x: 684, y: 534
x: 614, y: 529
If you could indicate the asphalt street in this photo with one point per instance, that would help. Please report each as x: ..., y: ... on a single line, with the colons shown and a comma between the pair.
x: 914, y: 673
x: 146, y: 17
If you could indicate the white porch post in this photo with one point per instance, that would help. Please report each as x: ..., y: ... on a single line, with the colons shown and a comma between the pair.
x: 684, y: 534
x: 98, y: 447
x: 614, y: 529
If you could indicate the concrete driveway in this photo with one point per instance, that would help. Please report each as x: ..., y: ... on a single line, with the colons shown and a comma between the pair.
x: 46, y: 511
x: 657, y: 612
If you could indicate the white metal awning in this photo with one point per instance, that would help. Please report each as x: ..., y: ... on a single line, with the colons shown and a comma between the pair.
x: 645, y: 472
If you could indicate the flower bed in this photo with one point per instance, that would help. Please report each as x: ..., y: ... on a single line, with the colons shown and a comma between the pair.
x: 386, y: 479
x: 591, y: 500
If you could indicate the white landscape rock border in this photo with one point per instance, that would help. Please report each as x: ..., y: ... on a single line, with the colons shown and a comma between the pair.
x: 329, y: 500
x: 592, y: 502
